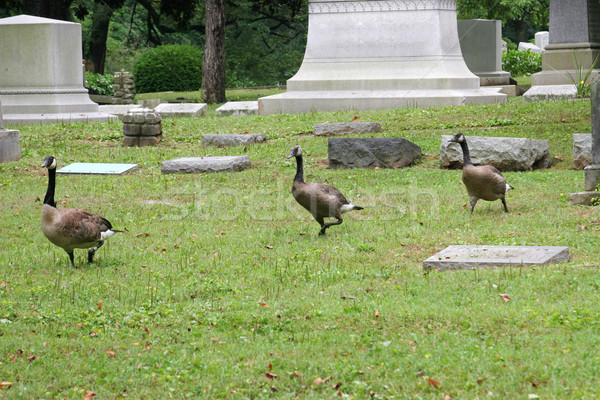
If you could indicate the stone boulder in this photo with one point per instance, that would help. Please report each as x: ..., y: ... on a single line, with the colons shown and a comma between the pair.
x: 346, y: 128
x: 506, y: 154
x: 372, y: 152
x: 229, y: 140
x: 582, y: 150
x: 193, y: 165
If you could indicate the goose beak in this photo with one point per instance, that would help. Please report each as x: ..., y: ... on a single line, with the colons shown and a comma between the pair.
x: 291, y: 155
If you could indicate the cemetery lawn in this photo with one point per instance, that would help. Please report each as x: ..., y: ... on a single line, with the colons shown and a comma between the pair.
x: 221, y: 289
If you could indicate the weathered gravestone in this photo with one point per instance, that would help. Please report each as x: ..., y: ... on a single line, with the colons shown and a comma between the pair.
x: 41, y: 76
x: 346, y: 128
x: 592, y: 172
x: 372, y: 153
x: 506, y: 154
x: 124, y: 87
x: 190, y: 110
x: 368, y: 55
x: 477, y: 256
x: 194, y: 165
x: 572, y: 48
x: 10, y: 149
x: 237, y: 108
x: 229, y: 140
x: 541, y: 39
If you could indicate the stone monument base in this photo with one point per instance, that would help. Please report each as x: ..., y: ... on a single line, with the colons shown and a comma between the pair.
x: 592, y: 180
x: 562, y: 63
x: 313, y: 101
x: 46, y: 118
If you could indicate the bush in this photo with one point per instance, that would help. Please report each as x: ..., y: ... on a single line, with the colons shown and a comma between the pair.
x: 171, y: 67
x: 99, y: 84
x: 520, y: 63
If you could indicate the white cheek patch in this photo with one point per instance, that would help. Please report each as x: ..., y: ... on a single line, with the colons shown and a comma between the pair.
x: 53, y: 165
x: 106, y: 235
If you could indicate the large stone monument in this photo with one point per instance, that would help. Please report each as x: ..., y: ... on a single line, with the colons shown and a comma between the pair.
x: 573, y: 44
x: 592, y: 172
x: 481, y: 44
x: 41, y: 79
x: 372, y: 54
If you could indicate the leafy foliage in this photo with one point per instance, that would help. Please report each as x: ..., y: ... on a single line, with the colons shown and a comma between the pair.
x: 100, y: 84
x: 519, y: 62
x: 170, y: 67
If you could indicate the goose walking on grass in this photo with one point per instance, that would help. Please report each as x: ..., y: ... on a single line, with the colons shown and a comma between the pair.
x: 482, y: 181
x: 321, y: 200
x: 71, y: 228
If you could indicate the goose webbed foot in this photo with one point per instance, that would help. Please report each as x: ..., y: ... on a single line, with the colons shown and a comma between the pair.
x: 325, y: 226
x: 72, y: 258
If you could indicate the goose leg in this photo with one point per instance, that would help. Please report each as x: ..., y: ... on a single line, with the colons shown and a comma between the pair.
x: 324, y: 227
x: 92, y: 251
x: 473, y: 201
x: 504, y: 204
x: 70, y: 253
x: 321, y: 222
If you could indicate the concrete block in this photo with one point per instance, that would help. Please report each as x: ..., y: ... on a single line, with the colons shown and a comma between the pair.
x: 237, y: 108
x: 550, y: 92
x: 189, y: 110
x: 478, y: 256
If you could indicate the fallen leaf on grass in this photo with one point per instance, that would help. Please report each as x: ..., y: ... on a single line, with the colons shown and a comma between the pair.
x: 142, y: 234
x: 376, y: 313
x: 433, y: 383
x: 504, y: 296
x: 296, y: 373
x: 89, y: 395
x: 269, y: 247
x: 319, y: 381
x: 99, y: 304
x: 347, y: 297
x: 263, y: 305
x: 559, y: 158
x: 269, y: 375
x: 354, y: 118
x: 111, y: 353
x: 5, y: 385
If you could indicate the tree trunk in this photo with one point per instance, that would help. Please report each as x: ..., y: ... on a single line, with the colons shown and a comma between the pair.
x: 521, y: 31
x: 213, y: 60
x: 55, y: 9
x: 98, y: 35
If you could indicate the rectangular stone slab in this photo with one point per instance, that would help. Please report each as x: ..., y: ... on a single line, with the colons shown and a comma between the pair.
x: 478, y: 256
x: 97, y: 169
x: 236, y: 108
x: 194, y: 165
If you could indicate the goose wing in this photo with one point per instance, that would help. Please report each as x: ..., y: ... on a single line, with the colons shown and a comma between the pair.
x: 83, y: 226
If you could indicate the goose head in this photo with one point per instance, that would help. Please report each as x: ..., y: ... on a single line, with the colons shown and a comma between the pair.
x: 49, y: 162
x: 457, y: 138
x: 296, y: 152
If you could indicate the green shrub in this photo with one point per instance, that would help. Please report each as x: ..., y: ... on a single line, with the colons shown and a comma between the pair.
x: 99, y: 84
x: 519, y: 62
x: 166, y: 68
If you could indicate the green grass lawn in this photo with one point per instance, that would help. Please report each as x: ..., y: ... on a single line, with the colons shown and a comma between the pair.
x: 221, y: 288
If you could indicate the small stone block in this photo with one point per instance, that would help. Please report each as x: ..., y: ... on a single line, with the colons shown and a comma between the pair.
x: 550, y: 92
x: 237, y: 108
x: 10, y: 149
x: 228, y: 140
x: 131, y: 129
x: 191, y: 110
x: 97, y: 169
x: 592, y: 177
x: 193, y: 165
x: 151, y: 130
x: 477, y: 256
x: 149, y: 140
x: 131, y: 141
x: 584, y: 198
x: 582, y: 150
x: 346, y: 128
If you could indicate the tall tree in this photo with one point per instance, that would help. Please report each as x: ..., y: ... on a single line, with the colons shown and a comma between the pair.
x: 96, y: 46
x: 213, y: 62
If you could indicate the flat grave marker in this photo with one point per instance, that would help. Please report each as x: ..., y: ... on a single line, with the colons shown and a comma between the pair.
x: 97, y: 169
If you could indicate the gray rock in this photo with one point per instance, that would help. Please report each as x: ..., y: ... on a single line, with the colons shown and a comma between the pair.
x: 585, y: 198
x: 346, y: 128
x: 550, y: 92
x: 228, y: 139
x: 150, y: 130
x: 524, y: 46
x: 475, y: 256
x: 10, y: 149
x: 193, y: 165
x: 372, y: 152
x: 582, y: 150
x: 506, y: 154
x: 236, y: 108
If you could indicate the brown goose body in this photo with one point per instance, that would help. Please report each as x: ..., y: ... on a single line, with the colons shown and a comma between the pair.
x: 321, y: 200
x: 483, y: 182
x: 71, y: 228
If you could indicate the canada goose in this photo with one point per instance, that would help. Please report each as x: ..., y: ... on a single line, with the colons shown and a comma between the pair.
x: 482, y: 181
x: 71, y: 228
x: 319, y: 199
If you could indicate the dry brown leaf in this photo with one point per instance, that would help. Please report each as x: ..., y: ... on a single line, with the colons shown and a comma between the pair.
x: 269, y: 247
x: 376, y: 313
x: 347, y: 297
x: 504, y: 296
x: 5, y: 385
x: 296, y: 373
x: 111, y: 353
x: 269, y: 375
x: 433, y: 383
x: 99, y: 304
x: 89, y: 395
x: 263, y: 304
